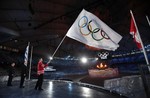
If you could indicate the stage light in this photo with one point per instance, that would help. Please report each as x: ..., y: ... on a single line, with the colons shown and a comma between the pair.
x: 96, y: 59
x: 84, y: 60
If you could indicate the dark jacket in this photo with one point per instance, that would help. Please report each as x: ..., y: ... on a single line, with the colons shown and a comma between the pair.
x: 11, y: 71
x: 23, y: 69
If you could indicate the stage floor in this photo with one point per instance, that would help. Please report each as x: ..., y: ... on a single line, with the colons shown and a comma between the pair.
x: 54, y: 89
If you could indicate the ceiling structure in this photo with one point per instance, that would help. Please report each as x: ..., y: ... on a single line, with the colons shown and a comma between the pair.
x: 44, y: 23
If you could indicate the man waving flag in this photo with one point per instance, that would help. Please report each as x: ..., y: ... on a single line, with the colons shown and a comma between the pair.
x: 90, y: 30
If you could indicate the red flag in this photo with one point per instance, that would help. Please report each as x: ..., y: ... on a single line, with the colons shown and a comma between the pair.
x: 133, y: 32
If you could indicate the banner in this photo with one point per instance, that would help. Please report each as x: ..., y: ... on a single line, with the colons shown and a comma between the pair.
x: 90, y: 30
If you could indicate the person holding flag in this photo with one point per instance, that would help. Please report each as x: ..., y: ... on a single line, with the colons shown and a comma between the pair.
x: 24, y: 68
x: 40, y: 73
x: 23, y: 75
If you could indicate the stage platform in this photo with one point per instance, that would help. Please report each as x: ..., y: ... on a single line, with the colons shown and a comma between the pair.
x: 55, y: 89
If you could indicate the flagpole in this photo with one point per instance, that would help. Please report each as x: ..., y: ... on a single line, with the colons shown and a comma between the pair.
x: 57, y: 48
x: 148, y: 20
x: 30, y: 63
x: 145, y: 55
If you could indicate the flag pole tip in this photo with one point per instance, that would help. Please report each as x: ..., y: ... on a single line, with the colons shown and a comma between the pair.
x: 130, y: 11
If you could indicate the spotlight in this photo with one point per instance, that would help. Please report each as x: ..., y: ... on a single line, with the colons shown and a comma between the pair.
x: 84, y: 60
x: 96, y: 59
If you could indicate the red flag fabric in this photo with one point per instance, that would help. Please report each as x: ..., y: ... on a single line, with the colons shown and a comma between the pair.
x: 133, y: 32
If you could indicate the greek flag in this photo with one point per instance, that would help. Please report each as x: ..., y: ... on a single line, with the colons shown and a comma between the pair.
x: 90, y: 30
x: 26, y: 55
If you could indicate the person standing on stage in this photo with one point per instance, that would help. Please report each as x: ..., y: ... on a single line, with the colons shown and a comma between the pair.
x: 23, y: 75
x: 11, y: 73
x: 40, y: 73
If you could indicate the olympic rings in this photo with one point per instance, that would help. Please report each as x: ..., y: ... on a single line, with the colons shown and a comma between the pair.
x: 104, y: 35
x: 83, y: 23
x: 94, y: 31
x: 103, y: 55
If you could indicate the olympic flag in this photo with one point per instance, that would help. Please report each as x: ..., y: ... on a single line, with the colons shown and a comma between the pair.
x: 90, y: 30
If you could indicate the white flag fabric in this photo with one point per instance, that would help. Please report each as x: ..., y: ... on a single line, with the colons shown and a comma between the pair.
x: 90, y: 30
x: 26, y: 56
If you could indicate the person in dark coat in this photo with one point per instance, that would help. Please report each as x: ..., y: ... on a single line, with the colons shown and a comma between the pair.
x: 23, y: 75
x: 11, y: 73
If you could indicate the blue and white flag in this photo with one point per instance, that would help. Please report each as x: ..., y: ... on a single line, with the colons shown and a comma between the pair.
x: 26, y: 55
x: 91, y: 31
